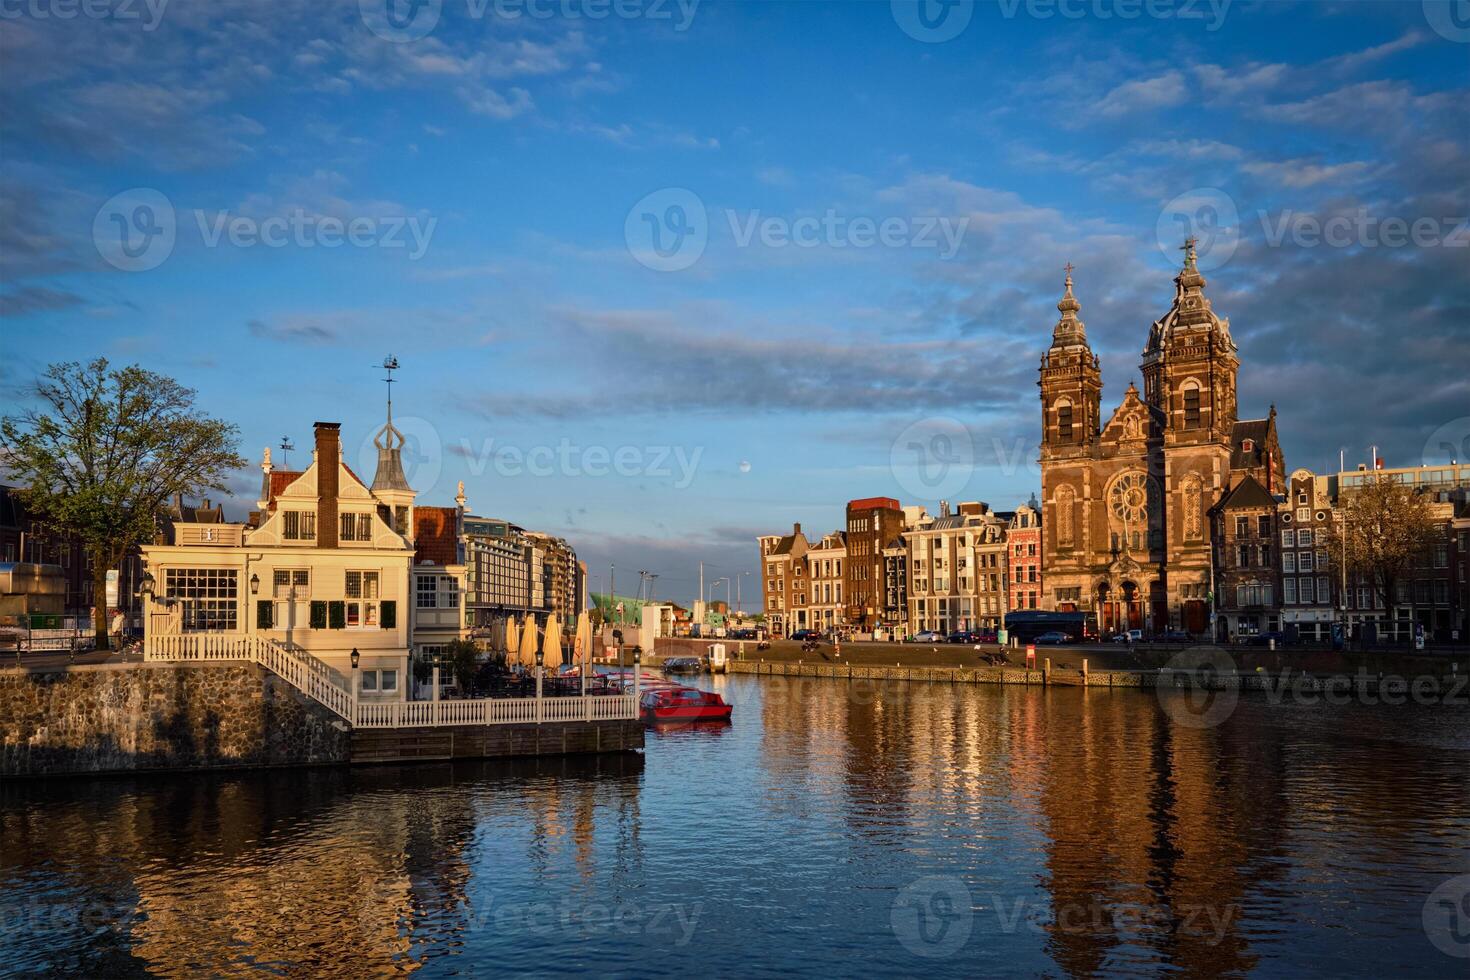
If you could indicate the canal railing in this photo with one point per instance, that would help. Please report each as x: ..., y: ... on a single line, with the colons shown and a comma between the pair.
x: 320, y: 682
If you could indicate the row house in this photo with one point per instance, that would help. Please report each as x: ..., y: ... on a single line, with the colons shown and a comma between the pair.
x: 1433, y: 595
x: 825, y: 577
x: 1023, y: 544
x: 872, y: 524
x: 1310, y: 590
x: 1246, y: 573
x: 784, y: 581
x: 957, y: 569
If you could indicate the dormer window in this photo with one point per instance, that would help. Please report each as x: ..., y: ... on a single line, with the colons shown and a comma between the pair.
x: 1248, y: 445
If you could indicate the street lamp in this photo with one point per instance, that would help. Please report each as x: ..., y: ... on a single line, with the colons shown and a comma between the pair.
x: 254, y: 584
x: 355, y: 658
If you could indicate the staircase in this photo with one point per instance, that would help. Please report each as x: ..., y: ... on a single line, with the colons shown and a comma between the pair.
x: 296, y: 667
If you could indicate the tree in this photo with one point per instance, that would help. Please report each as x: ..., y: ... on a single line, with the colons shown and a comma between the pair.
x: 1385, y: 529
x: 104, y: 450
x: 463, y: 660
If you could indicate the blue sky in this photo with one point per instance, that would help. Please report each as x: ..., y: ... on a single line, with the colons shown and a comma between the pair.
x: 673, y: 412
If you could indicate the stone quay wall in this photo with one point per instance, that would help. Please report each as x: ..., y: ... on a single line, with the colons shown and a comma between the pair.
x: 159, y: 716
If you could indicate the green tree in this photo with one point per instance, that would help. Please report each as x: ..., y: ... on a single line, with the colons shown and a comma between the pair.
x: 103, y: 450
x: 463, y: 659
x: 1385, y: 530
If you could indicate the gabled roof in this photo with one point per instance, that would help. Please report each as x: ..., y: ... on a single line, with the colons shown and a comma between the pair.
x: 787, y: 544
x: 1248, y: 493
x: 434, y: 536
x: 280, y: 480
x: 1256, y: 430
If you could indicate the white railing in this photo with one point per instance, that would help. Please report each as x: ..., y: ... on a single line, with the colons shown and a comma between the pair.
x: 298, y: 668
x: 318, y: 681
x: 495, y: 711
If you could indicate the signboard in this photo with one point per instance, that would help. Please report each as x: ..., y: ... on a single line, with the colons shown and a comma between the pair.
x: 1030, y: 656
x: 112, y: 602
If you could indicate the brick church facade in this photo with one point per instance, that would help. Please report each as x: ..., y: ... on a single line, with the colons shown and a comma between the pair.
x: 1127, y: 500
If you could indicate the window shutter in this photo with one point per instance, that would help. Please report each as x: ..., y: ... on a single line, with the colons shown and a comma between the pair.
x: 337, y: 614
x: 264, y: 614
x: 318, y: 614
x: 388, y: 614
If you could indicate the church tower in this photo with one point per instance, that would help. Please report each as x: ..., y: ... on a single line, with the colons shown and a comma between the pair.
x: 1071, y: 386
x: 1190, y: 364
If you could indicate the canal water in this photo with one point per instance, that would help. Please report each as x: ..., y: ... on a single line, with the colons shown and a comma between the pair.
x: 834, y: 829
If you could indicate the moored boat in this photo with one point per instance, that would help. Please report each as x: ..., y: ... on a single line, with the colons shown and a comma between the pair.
x: 682, y: 704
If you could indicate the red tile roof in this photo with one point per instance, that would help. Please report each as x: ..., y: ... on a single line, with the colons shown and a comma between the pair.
x: 434, y: 535
x: 280, y: 480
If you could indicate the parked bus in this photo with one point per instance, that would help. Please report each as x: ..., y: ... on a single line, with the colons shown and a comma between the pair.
x: 1027, y: 625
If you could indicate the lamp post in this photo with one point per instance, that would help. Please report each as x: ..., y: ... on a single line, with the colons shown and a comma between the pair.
x: 637, y: 673
x: 540, y: 657
x: 355, y: 658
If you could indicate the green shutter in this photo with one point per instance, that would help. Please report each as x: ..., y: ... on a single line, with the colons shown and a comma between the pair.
x: 337, y: 614
x: 318, y: 614
x: 388, y: 614
x: 264, y: 614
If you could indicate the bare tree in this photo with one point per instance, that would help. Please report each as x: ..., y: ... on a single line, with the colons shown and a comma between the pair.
x: 1386, y: 529
x: 103, y: 450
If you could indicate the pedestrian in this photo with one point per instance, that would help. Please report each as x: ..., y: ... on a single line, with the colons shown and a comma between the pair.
x: 118, y: 622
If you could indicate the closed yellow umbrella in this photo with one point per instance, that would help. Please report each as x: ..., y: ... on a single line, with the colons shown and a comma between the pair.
x: 553, y: 642
x: 584, y: 639
x: 528, y: 642
x: 512, y: 639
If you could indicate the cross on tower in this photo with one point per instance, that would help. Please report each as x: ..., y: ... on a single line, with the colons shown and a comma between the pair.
x: 1068, y: 268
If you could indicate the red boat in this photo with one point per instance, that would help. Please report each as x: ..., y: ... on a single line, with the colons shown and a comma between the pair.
x: 682, y: 704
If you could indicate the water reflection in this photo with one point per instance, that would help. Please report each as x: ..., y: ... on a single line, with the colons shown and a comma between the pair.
x: 949, y: 830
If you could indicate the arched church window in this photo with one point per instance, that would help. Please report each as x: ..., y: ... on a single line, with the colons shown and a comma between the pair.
x: 1066, y: 501
x: 1191, y: 405
x: 1064, y: 420
x: 1193, y: 503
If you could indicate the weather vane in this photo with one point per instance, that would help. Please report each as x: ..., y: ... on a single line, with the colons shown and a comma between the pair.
x: 286, y: 447
x: 390, y: 364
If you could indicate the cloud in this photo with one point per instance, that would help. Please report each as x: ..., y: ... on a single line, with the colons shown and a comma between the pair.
x: 292, y: 330
x: 36, y: 299
x: 1308, y: 173
x: 1160, y: 92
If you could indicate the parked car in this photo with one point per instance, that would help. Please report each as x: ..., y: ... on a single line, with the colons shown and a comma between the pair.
x: 1176, y: 636
x: 986, y: 636
x: 963, y: 636
x: 1052, y: 638
x: 1128, y: 636
x: 747, y: 633
x: 805, y: 635
x: 927, y: 636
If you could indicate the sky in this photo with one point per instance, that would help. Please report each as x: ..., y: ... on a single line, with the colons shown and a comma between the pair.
x: 665, y: 276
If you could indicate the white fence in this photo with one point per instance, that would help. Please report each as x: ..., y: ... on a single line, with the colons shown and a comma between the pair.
x: 320, y: 682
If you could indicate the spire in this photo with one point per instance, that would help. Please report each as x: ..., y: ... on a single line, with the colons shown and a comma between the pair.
x: 1189, y: 278
x: 390, y: 442
x: 1070, y: 331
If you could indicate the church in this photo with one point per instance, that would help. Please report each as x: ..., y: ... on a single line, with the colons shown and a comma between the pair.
x: 1127, y: 529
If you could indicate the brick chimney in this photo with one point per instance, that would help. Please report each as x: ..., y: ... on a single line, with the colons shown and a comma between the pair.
x: 328, y: 455
x: 795, y: 529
